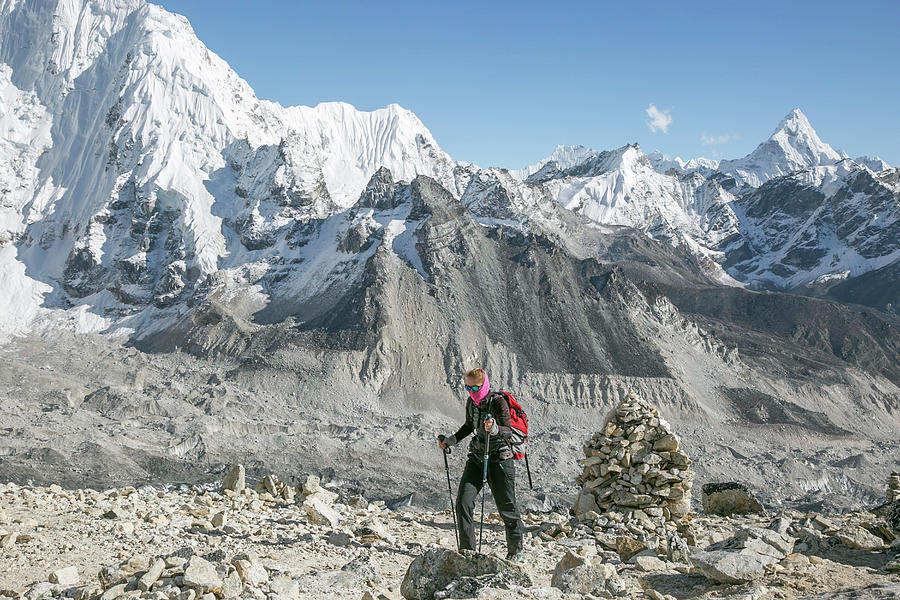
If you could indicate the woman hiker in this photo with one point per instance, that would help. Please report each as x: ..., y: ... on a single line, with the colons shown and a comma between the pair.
x: 501, y: 474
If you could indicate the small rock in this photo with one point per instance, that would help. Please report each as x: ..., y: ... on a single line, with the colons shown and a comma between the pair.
x: 628, y: 547
x: 201, y: 575
x: 339, y: 538
x: 373, y: 531
x: 285, y: 587
x: 219, y: 519
x: 67, y: 576
x: 232, y: 586
x: 251, y: 573
x: 649, y: 563
x: 319, y: 512
x: 39, y: 591
x: 311, y: 485
x: 153, y: 572
x: 113, y: 592
x: 235, y: 480
x: 570, y: 560
x: 892, y: 515
x: 586, y: 578
x: 667, y: 443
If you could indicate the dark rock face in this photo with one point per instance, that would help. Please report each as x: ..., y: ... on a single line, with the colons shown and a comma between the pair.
x: 730, y: 498
x: 799, y: 224
x: 892, y: 515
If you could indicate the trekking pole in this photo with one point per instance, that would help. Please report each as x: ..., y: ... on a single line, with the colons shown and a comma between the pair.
x: 450, y: 490
x: 528, y: 470
x: 487, y: 445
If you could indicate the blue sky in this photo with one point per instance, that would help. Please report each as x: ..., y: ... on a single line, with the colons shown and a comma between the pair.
x: 503, y: 83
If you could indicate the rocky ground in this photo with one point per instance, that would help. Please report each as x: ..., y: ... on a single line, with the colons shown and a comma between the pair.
x: 116, y: 416
x: 315, y: 542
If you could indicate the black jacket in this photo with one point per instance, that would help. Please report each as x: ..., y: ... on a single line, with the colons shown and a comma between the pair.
x: 497, y: 406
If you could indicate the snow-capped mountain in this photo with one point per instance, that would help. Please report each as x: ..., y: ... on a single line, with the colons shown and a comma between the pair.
x: 620, y: 187
x: 821, y: 222
x: 794, y: 145
x: 140, y: 175
x: 662, y: 163
x: 563, y: 156
x: 714, y: 209
x: 145, y: 153
x: 873, y: 163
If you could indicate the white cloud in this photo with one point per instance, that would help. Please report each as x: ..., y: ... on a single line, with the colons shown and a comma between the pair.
x: 710, y: 140
x: 659, y: 119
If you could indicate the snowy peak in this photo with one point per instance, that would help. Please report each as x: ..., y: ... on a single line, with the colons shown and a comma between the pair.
x: 873, y: 163
x: 563, y: 158
x: 151, y: 164
x: 793, y: 146
x: 799, y: 141
x: 662, y: 164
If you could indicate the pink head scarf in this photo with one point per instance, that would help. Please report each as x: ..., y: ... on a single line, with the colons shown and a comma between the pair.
x: 482, y: 392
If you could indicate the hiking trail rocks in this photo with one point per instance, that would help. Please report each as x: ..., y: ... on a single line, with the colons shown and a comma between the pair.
x: 635, y: 480
x: 171, y: 544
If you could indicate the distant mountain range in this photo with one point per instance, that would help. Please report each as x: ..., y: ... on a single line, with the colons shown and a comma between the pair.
x: 136, y: 165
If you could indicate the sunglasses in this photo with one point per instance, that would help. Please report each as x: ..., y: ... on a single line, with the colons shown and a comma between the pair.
x: 473, y: 388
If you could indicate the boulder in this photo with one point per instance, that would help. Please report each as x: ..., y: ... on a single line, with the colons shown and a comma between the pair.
x: 730, y: 566
x: 439, y: 568
x: 235, y: 480
x: 857, y: 538
x: 586, y: 579
x: 730, y: 498
x: 743, y: 557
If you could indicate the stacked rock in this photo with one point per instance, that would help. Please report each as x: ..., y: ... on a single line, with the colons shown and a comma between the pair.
x: 893, y: 489
x: 635, y: 480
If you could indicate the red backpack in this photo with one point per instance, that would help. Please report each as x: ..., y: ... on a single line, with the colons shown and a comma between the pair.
x: 518, y: 421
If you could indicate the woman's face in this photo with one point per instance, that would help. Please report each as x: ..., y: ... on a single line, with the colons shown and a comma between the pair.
x: 474, y: 380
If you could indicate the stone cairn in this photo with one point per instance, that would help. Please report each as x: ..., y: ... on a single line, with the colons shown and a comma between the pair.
x: 893, y: 488
x: 635, y: 481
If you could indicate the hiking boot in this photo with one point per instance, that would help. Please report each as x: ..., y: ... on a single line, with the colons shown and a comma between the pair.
x: 516, y: 557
